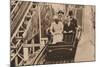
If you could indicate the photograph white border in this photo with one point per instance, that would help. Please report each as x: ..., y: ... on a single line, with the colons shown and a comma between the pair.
x: 5, y: 33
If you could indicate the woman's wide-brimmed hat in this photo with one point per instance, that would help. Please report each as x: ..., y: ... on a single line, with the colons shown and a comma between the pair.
x: 60, y: 11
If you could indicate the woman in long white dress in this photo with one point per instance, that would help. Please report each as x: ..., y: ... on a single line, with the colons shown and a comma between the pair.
x: 56, y: 30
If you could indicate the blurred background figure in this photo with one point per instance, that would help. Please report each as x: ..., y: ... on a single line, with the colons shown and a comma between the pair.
x: 49, y: 35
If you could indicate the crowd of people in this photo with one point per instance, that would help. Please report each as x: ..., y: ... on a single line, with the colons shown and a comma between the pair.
x: 61, y: 26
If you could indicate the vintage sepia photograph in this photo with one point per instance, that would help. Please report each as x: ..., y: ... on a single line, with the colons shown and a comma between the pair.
x: 51, y: 33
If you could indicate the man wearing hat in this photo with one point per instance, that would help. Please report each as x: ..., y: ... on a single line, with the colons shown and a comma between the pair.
x: 70, y: 23
x: 56, y: 30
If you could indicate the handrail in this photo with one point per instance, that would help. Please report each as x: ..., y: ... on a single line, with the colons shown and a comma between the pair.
x: 69, y: 46
x: 60, y: 49
x: 37, y: 57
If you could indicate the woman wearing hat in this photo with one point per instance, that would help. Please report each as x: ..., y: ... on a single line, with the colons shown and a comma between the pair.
x: 61, y: 15
x: 56, y: 30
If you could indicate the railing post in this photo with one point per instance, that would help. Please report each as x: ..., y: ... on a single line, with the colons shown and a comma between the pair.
x: 33, y: 46
x: 39, y: 22
x: 25, y: 51
x: 16, y: 60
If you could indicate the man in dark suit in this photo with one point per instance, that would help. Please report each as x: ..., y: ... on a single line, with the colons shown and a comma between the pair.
x: 70, y: 27
x: 70, y: 23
